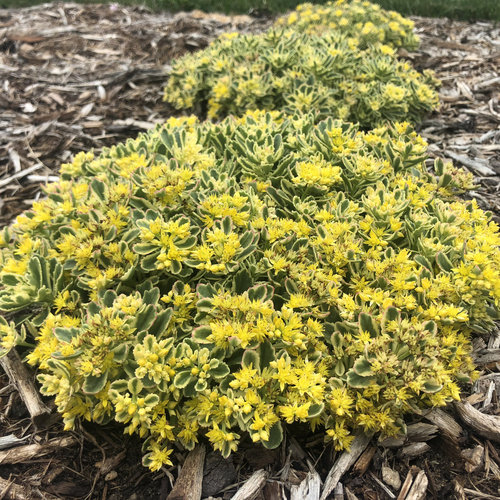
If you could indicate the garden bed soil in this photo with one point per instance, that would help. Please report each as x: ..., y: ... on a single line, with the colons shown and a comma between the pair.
x: 76, y: 77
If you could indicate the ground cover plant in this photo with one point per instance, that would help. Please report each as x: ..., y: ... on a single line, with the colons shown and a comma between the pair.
x: 221, y: 280
x: 330, y: 74
x: 363, y: 20
x: 338, y: 60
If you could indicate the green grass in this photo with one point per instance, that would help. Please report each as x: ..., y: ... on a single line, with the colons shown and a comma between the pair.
x: 458, y: 9
x: 471, y: 10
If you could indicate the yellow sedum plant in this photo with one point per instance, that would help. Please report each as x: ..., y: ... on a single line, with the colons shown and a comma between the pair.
x: 332, y: 75
x: 366, y: 21
x: 219, y: 280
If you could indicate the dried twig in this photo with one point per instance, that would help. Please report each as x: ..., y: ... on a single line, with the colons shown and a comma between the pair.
x: 18, y: 175
x: 407, y: 484
x: 9, y: 441
x: 23, y: 380
x: 487, y: 426
x: 479, y: 494
x: 338, y: 492
x: 29, y: 452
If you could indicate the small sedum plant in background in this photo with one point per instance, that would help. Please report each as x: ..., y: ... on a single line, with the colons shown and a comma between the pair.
x: 219, y: 280
x: 336, y: 60
x: 332, y: 74
x: 365, y: 21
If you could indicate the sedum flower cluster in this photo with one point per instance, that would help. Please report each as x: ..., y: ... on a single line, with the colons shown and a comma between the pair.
x: 351, y: 74
x: 366, y: 21
x: 220, y: 280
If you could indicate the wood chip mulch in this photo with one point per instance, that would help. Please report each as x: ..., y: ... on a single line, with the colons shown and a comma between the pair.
x: 466, y: 58
x: 75, y: 77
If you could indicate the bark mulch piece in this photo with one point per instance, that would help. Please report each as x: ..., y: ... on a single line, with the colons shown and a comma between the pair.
x: 75, y: 77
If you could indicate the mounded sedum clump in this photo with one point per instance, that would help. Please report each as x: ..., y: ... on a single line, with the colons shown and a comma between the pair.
x: 221, y: 280
x: 331, y: 75
x: 364, y: 20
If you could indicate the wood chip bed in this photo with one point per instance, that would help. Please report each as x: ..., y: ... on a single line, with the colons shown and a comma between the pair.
x: 77, y: 77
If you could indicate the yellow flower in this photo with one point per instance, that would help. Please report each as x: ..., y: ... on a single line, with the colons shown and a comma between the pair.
x: 62, y: 301
x: 158, y: 457
x: 222, y: 440
x: 15, y: 266
x: 340, y: 402
x: 295, y: 412
x: 162, y: 429
x: 8, y: 336
x: 340, y: 436
x: 221, y: 89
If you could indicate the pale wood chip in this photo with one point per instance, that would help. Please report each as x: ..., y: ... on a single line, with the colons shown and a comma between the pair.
x: 188, y: 484
x: 308, y: 489
x: 28, y: 452
x: 252, y: 486
x: 345, y: 462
